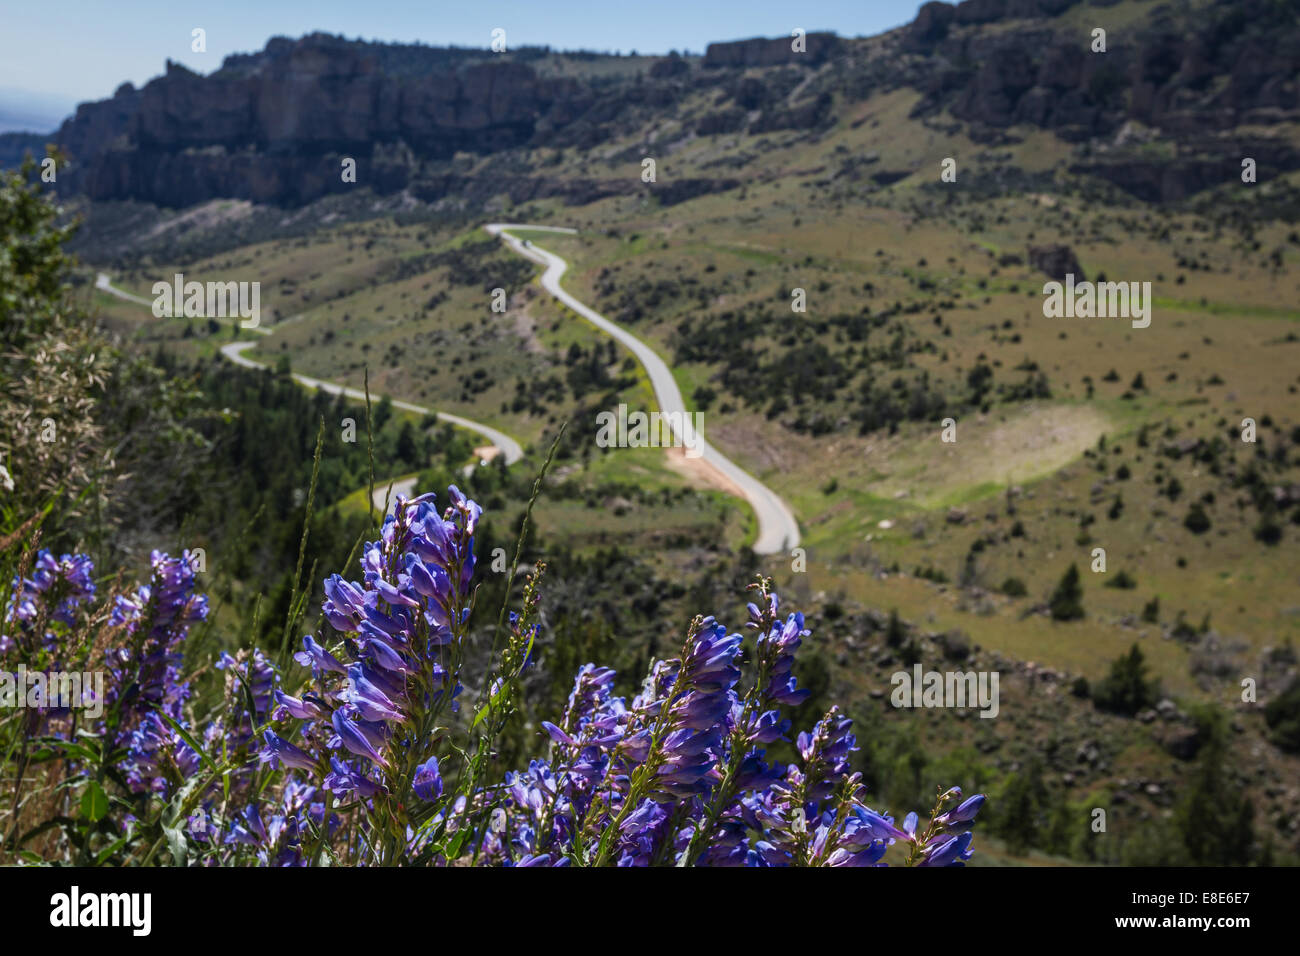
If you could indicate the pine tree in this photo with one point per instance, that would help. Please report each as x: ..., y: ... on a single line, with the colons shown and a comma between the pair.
x: 1022, y: 806
x: 1066, y: 602
x: 895, y: 632
x: 1216, y: 818
x: 1126, y: 689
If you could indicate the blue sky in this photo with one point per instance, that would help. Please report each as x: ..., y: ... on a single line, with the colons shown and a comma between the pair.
x: 53, y: 56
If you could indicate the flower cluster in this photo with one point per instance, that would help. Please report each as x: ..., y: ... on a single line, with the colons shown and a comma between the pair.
x: 145, y: 670
x: 39, y: 629
x: 680, y: 775
x: 55, y: 590
x: 356, y: 759
x: 365, y: 727
x: 146, y: 686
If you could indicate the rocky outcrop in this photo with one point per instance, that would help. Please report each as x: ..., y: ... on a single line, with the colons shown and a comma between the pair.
x: 274, y: 126
x: 1230, y: 63
x: 934, y: 19
x: 1204, y: 164
x: 760, y: 51
x: 673, y: 65
x: 1056, y: 261
x: 312, y: 96
x: 930, y: 26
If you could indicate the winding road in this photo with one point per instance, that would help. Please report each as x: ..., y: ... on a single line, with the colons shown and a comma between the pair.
x: 509, y: 447
x: 234, y: 351
x: 777, y: 528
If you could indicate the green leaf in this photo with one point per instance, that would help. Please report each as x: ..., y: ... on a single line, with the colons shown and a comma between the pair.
x: 77, y: 751
x: 176, y: 844
x: 109, y: 850
x: 457, y: 844
x: 189, y: 739
x: 94, y: 802
x: 491, y: 705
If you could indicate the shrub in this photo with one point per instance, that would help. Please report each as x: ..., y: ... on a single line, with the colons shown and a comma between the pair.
x: 1122, y: 580
x: 1268, y: 531
x: 910, y: 654
x: 1282, y: 714
x: 1197, y: 521
x: 1126, y: 689
x: 1066, y: 602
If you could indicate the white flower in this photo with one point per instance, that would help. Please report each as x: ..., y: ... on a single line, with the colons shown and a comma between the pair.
x: 5, y: 479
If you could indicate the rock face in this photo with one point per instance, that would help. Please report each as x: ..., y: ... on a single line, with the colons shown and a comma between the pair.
x: 274, y: 126
x: 931, y: 25
x: 321, y: 92
x: 818, y: 47
x: 1233, y: 63
x: 1057, y: 261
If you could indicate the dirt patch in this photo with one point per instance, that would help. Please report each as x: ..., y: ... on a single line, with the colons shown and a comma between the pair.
x: 699, y: 472
x: 525, y: 327
x: 1012, y: 445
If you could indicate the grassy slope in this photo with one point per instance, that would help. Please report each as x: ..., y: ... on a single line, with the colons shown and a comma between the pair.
x: 1222, y: 346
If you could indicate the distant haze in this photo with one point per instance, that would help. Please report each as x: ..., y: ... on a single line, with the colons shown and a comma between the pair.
x: 24, y: 111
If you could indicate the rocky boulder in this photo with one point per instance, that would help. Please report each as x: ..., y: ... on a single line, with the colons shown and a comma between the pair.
x: 1056, y: 261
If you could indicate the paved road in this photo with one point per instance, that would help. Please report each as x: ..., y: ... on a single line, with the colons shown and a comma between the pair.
x: 509, y: 447
x: 403, y: 486
x: 777, y: 528
x: 235, y: 352
x: 104, y: 284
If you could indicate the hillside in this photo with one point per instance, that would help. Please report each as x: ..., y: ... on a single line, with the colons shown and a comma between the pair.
x: 273, y: 126
x: 827, y: 298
